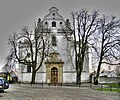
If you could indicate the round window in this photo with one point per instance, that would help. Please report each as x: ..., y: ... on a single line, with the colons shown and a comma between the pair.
x: 53, y: 14
x: 60, y: 22
x: 45, y: 22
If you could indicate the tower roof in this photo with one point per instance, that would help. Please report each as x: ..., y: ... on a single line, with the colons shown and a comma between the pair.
x: 53, y: 15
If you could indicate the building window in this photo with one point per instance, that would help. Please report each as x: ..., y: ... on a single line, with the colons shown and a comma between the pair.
x: 28, y: 55
x: 53, y: 14
x: 28, y: 68
x: 60, y: 22
x: 46, y: 23
x: 53, y: 24
x: 54, y: 41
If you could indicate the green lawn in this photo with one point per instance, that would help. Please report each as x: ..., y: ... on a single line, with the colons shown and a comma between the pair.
x: 110, y: 87
x: 113, y: 85
x: 107, y: 89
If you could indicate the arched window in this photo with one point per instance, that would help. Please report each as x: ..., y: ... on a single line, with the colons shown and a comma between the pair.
x: 28, y: 55
x: 28, y: 68
x: 54, y: 41
x: 53, y: 24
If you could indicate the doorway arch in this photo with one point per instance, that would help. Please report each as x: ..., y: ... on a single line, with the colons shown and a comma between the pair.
x: 54, y: 75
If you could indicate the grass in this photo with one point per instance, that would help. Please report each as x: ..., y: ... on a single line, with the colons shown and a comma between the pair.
x: 110, y: 87
x: 107, y: 89
x: 113, y: 85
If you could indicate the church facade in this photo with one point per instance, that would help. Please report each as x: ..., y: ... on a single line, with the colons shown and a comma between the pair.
x: 58, y: 67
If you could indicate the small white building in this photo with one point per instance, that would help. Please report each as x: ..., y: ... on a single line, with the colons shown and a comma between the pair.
x: 108, y: 74
x: 108, y: 77
x: 57, y: 68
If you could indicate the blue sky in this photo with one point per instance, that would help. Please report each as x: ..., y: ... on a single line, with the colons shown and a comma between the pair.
x: 14, y: 14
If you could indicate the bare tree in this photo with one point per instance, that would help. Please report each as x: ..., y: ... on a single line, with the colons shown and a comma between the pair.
x: 107, y: 42
x: 6, y: 68
x: 30, y: 48
x: 83, y: 27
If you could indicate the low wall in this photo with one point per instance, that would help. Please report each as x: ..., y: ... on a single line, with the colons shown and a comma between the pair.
x: 109, y: 80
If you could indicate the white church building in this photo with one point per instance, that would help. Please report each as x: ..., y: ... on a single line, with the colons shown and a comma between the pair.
x: 57, y: 68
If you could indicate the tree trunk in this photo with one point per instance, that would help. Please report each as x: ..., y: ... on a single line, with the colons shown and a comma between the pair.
x: 79, y: 72
x: 33, y: 77
x: 97, y: 74
x: 78, y: 81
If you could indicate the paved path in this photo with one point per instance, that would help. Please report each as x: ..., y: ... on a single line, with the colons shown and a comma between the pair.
x: 36, y: 92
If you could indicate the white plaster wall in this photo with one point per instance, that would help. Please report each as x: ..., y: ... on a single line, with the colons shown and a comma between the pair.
x: 86, y: 64
x: 24, y: 77
x: 69, y: 77
x: 63, y: 53
x: 85, y: 77
x: 40, y: 77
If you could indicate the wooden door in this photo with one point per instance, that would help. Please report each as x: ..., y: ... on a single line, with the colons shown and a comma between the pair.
x: 54, y: 75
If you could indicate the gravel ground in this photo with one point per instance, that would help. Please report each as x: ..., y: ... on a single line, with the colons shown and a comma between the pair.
x: 36, y: 92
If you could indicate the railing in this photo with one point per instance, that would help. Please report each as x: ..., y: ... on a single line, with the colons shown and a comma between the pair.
x: 102, y: 87
x: 42, y: 84
x: 107, y: 87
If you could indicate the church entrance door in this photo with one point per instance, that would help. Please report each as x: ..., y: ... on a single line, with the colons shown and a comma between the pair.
x: 54, y: 75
